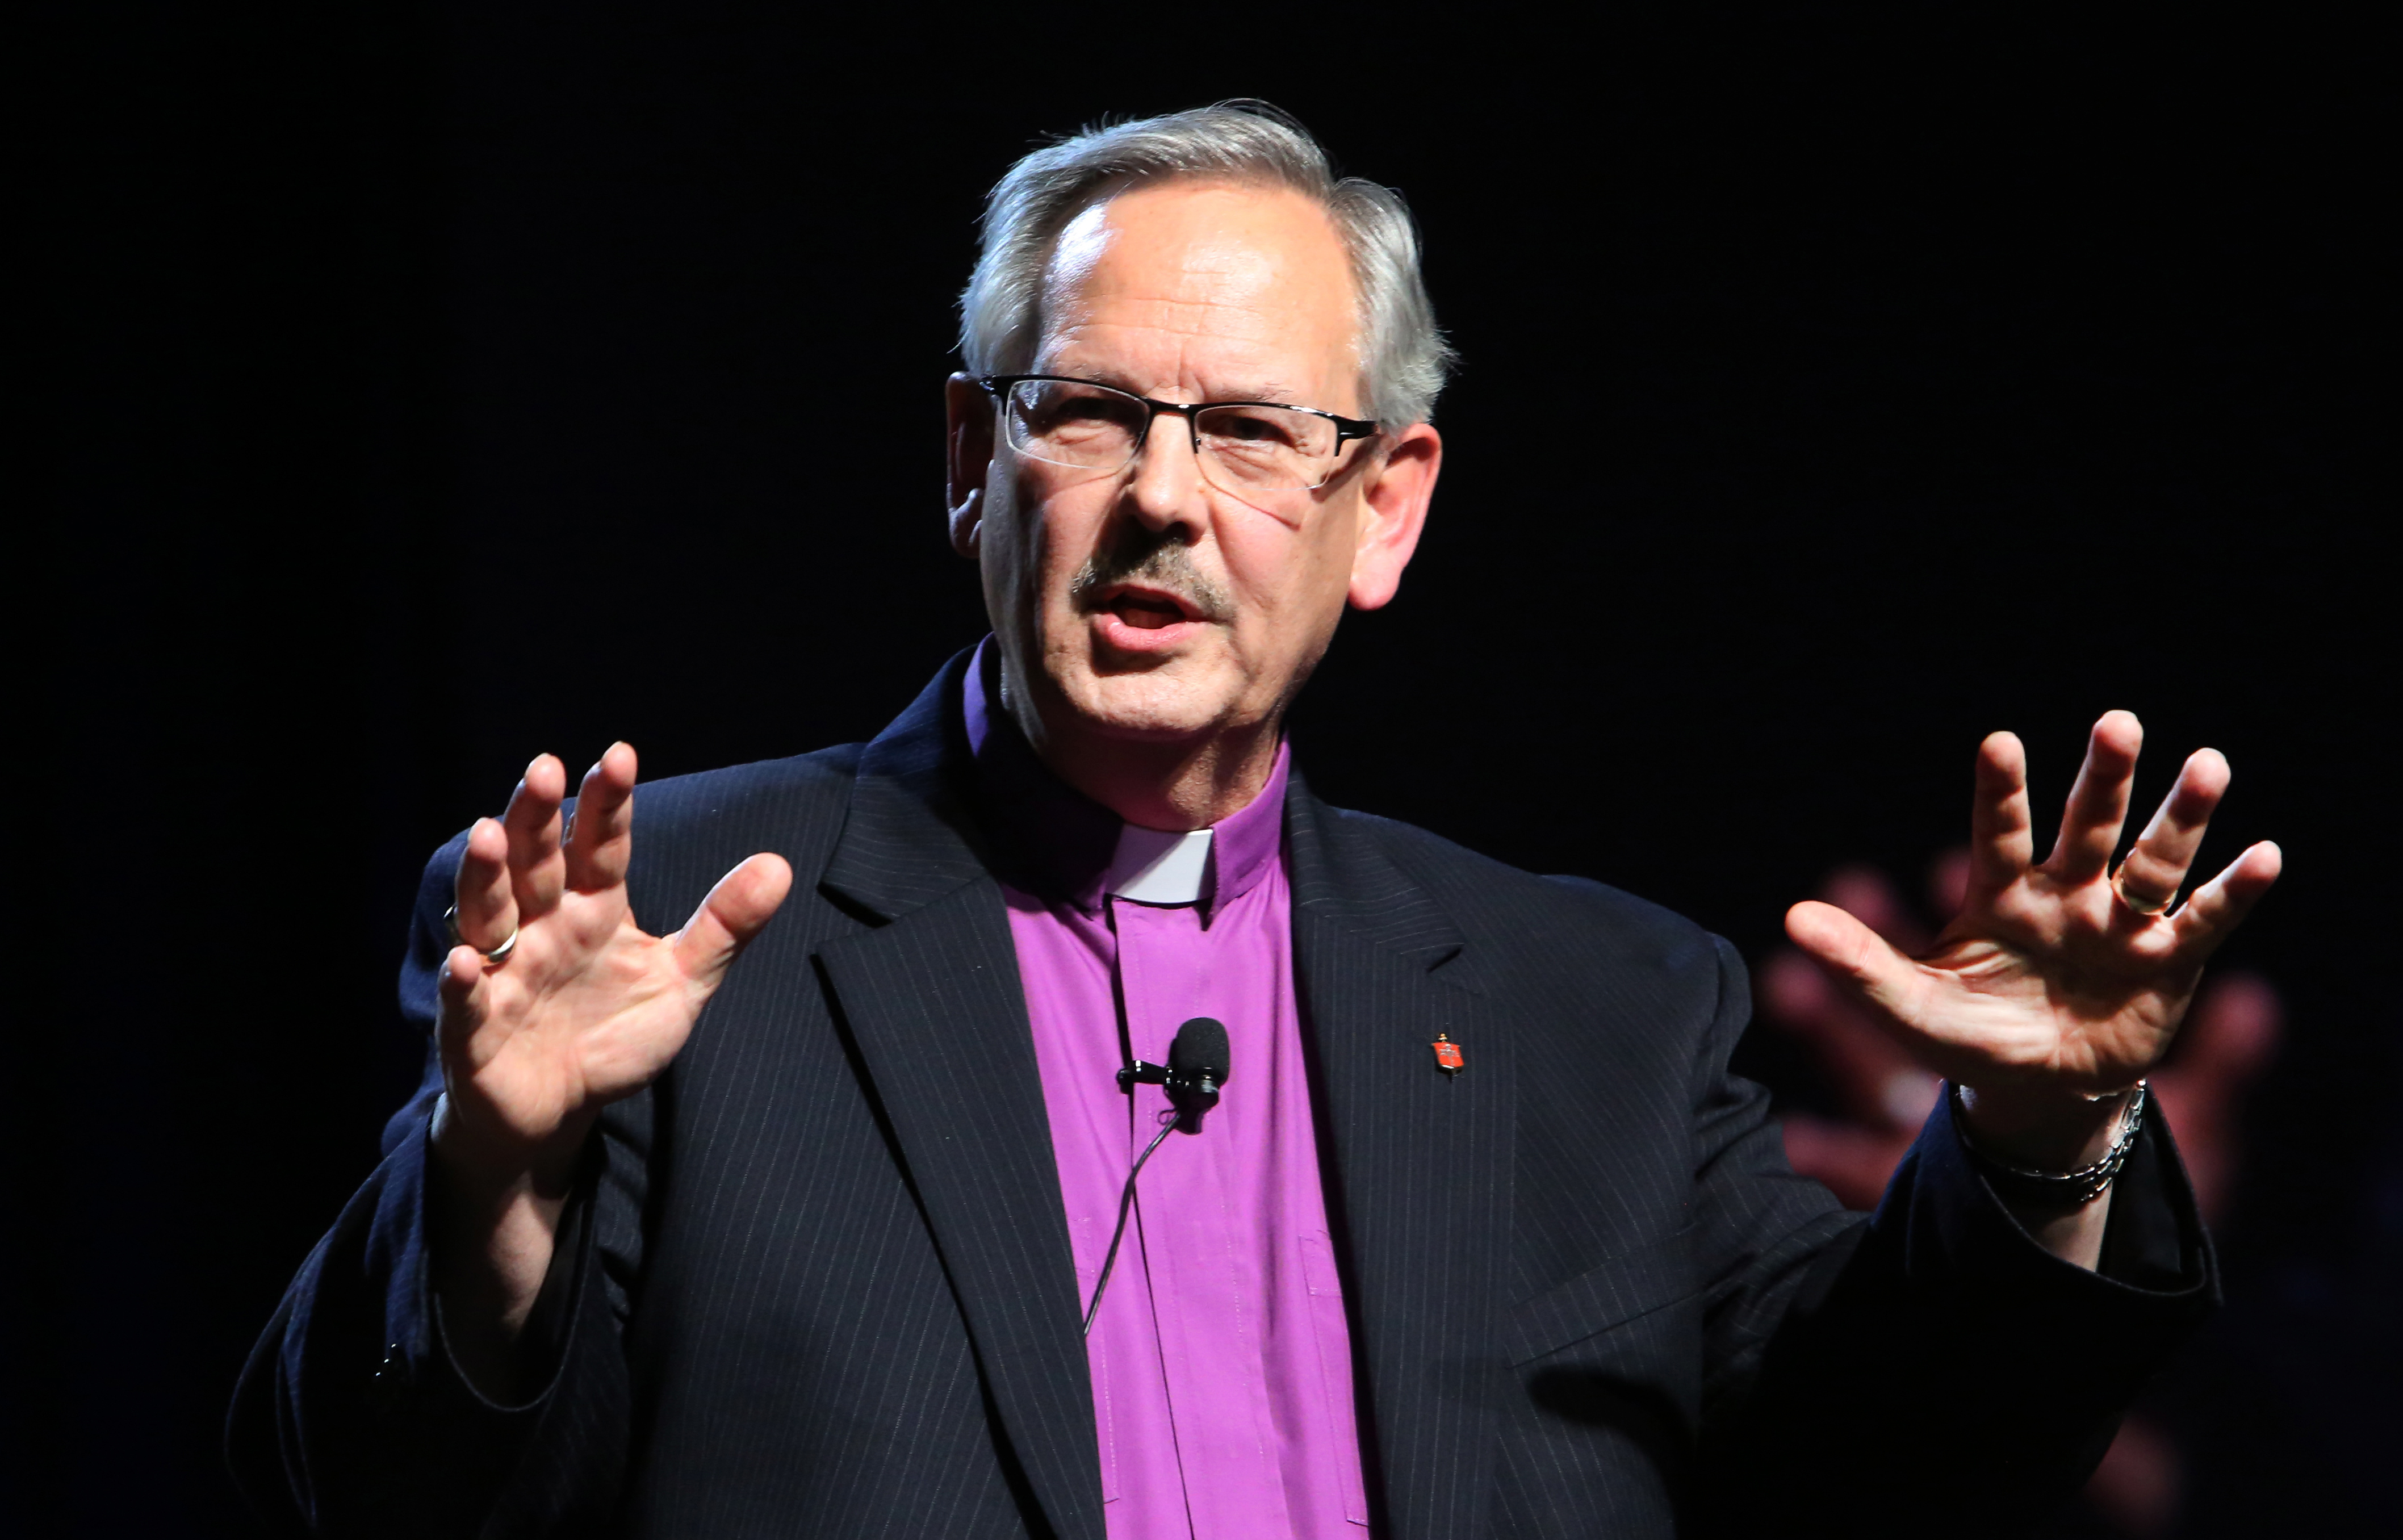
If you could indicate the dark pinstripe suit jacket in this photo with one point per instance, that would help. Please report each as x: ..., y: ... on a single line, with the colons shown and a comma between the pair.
x: 817, y: 1281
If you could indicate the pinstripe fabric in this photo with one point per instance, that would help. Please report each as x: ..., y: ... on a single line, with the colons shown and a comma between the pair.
x: 1421, y: 1169
x: 817, y: 1282
x: 843, y: 1332
x: 935, y: 1001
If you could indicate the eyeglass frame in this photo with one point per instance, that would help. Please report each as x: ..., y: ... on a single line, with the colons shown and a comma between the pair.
x: 1347, y: 429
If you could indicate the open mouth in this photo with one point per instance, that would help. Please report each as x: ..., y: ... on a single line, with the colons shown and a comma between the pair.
x: 1146, y: 609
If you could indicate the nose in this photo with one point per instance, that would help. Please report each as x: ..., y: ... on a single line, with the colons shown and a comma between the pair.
x: 1166, y: 487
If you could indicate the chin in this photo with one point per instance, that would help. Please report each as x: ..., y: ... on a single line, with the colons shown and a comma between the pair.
x: 1153, y: 704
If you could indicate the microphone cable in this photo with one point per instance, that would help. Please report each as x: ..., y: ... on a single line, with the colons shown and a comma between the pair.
x: 1126, y: 1201
x: 1195, y: 1070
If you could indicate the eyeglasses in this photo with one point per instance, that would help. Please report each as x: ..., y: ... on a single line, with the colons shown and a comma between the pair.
x: 1243, y: 445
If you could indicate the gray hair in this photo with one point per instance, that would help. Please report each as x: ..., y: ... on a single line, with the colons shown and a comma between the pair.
x: 1402, y: 355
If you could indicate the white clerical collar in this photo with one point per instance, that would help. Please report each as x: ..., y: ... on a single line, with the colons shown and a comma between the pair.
x: 1159, y: 867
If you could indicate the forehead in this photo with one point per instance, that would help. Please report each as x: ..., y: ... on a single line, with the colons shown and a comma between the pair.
x: 1205, y: 280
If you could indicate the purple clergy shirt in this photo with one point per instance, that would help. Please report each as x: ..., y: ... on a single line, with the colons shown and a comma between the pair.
x: 1221, y: 1364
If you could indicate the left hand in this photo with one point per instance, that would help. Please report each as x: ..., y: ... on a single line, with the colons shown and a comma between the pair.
x: 2059, y: 981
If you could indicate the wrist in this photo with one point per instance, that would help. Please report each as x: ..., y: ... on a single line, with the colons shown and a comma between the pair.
x: 494, y: 1221
x: 2047, y: 1195
x: 494, y: 1175
x: 2042, y: 1130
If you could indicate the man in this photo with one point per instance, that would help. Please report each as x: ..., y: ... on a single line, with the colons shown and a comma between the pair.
x: 1477, y: 1234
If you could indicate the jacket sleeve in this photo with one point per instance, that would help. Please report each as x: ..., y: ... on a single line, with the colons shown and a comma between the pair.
x: 352, y: 1418
x: 1932, y: 1368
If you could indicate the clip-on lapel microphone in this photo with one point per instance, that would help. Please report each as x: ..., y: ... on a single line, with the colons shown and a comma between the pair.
x: 1195, y: 1070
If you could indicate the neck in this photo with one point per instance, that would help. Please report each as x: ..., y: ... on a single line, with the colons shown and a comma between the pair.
x: 1175, y: 784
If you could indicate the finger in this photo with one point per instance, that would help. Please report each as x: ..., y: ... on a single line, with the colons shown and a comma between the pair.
x: 2221, y: 904
x: 602, y: 840
x: 2149, y: 878
x: 2098, y: 803
x: 486, y: 910
x: 2001, y: 839
x: 537, y: 872
x: 744, y: 900
x: 461, y: 987
x: 1858, y: 959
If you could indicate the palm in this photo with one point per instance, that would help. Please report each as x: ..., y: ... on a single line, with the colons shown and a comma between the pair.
x: 2055, y: 973
x: 592, y: 1009
x: 587, y: 1007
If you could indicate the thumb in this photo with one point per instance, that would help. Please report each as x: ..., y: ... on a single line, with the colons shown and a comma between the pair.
x: 1856, y: 957
x: 744, y: 900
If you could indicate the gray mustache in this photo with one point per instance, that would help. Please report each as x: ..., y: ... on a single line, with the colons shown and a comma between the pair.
x: 1153, y: 562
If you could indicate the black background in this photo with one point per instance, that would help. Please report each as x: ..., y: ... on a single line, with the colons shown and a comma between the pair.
x: 435, y: 390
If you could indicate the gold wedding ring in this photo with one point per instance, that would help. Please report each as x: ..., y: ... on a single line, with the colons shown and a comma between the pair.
x: 2120, y: 887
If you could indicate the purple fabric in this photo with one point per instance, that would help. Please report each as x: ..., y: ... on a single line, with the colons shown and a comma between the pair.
x: 1220, y: 1361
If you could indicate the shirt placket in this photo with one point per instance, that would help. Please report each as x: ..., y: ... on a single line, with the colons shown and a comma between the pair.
x: 1198, y: 1228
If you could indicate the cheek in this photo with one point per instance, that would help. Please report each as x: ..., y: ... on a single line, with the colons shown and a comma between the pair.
x: 1012, y: 558
x: 1291, y: 578
x: 1046, y: 528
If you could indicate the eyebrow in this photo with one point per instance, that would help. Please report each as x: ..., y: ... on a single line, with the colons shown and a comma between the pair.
x: 1267, y: 395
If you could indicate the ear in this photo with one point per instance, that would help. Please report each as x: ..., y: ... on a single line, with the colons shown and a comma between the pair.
x: 1394, y: 500
x: 968, y: 443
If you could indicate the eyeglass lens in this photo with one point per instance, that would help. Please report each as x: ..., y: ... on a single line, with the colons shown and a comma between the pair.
x: 1243, y: 448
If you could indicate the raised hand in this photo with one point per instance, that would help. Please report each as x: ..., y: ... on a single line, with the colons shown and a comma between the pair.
x: 2059, y: 981
x: 555, y: 1004
x: 585, y: 1008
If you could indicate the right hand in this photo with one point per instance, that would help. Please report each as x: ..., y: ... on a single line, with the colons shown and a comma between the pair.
x: 586, y: 1008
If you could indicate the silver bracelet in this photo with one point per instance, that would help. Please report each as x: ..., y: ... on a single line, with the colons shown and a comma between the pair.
x: 2055, y: 1188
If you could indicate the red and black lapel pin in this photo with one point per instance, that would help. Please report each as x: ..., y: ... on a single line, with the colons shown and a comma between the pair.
x: 1447, y: 1055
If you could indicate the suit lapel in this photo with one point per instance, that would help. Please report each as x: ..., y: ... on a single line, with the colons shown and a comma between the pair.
x: 932, y: 996
x: 1422, y: 1163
